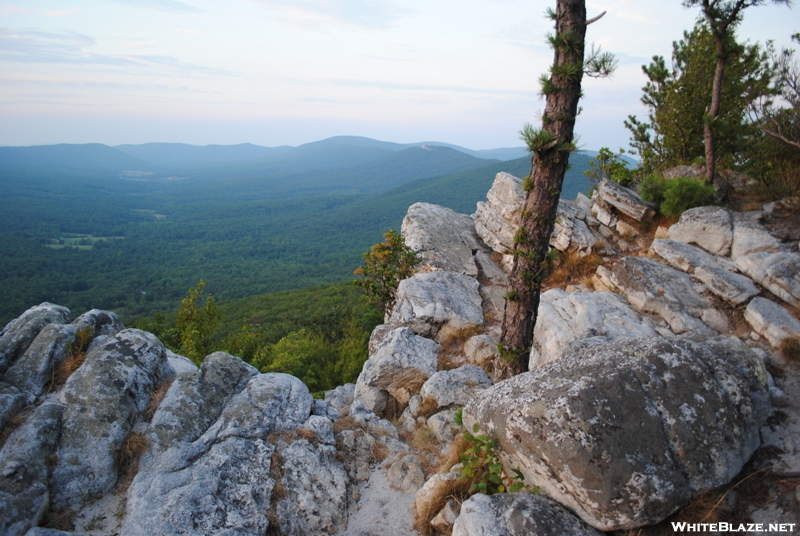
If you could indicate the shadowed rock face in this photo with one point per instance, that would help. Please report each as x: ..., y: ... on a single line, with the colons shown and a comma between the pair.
x: 625, y: 433
x: 517, y: 514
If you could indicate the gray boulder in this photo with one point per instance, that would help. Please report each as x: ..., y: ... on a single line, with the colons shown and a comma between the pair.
x: 655, y: 288
x: 770, y: 320
x: 777, y: 272
x: 624, y: 200
x: 517, y: 514
x: 711, y: 228
x: 20, y: 332
x: 456, y: 386
x: 442, y: 238
x: 397, y: 369
x: 25, y: 469
x: 497, y: 219
x: 222, y: 483
x: 429, y: 302
x: 12, y: 400
x: 731, y: 287
x: 686, y: 257
x: 103, y: 399
x: 33, y: 371
x: 101, y: 322
x: 566, y: 317
x: 627, y: 432
x: 751, y: 237
x: 196, y: 399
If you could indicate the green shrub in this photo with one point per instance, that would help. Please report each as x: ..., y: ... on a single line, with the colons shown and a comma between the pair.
x: 385, y: 265
x: 608, y: 164
x: 652, y: 188
x: 481, y: 464
x: 673, y: 197
x: 683, y: 193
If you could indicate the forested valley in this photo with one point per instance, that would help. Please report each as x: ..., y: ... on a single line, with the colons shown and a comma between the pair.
x: 132, y: 229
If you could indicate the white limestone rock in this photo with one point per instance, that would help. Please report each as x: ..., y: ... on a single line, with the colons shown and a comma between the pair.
x: 624, y: 200
x: 770, y: 320
x: 397, y: 369
x: 428, y: 302
x: 651, y: 287
x: 751, y: 237
x: 566, y: 317
x: 441, y: 237
x: 711, y: 228
x: 517, y: 514
x: 497, y: 219
x: 456, y: 386
x: 777, y: 272
x: 627, y: 432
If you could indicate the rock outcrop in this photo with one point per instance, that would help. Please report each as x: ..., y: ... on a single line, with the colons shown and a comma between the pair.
x: 643, y: 393
x: 625, y: 433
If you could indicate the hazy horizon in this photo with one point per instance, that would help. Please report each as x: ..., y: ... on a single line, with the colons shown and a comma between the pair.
x: 290, y: 72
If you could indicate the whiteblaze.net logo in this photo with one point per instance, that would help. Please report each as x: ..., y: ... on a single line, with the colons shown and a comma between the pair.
x: 743, y: 528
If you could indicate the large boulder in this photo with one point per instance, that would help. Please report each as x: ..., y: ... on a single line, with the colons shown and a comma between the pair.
x: 777, y: 272
x: 624, y: 200
x: 430, y: 302
x: 20, y: 332
x: 196, y: 399
x: 751, y: 237
x: 223, y: 482
x: 711, y: 228
x: 627, y: 432
x: 397, y: 369
x: 771, y: 320
x: 456, y: 386
x: 655, y: 288
x: 25, y: 469
x: 497, y: 219
x: 566, y: 317
x: 102, y: 400
x: 517, y: 514
x: 442, y: 237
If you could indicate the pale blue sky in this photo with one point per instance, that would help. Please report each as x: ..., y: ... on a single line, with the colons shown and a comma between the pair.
x: 287, y: 72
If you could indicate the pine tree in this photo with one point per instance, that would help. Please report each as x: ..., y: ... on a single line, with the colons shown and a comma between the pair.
x: 551, y: 146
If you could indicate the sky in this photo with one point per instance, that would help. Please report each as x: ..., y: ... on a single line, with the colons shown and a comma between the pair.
x: 288, y: 72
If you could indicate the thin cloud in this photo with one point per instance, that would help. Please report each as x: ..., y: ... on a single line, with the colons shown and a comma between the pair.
x: 186, y: 32
x: 364, y: 13
x: 33, y: 46
x: 163, y: 5
x: 426, y: 87
x: 61, y: 13
x: 12, y: 10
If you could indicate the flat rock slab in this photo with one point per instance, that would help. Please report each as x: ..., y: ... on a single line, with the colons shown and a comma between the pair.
x: 624, y: 200
x: 517, y: 514
x: 686, y: 257
x: 711, y: 228
x: 655, y: 288
x: 442, y: 237
x: 627, y: 432
x: 428, y: 301
x: 497, y: 219
x: 751, y: 237
x: 566, y: 317
x: 777, y: 272
x: 771, y: 320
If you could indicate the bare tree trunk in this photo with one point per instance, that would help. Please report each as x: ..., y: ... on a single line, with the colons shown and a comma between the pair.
x: 543, y: 188
x: 713, y: 114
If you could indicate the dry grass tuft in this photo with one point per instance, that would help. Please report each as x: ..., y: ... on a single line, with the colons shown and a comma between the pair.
x: 76, y: 355
x: 427, y: 407
x: 423, y: 440
x: 790, y: 349
x: 453, y: 454
x: 380, y: 451
x: 126, y: 458
x: 571, y: 268
x: 346, y: 423
x: 424, y: 513
x: 155, y: 400
x: 305, y: 433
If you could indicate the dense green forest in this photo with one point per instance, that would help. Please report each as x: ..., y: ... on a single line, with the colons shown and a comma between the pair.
x: 152, y: 230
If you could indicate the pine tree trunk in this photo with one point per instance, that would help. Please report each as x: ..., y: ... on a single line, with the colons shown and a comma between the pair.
x: 543, y: 189
x: 713, y: 113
